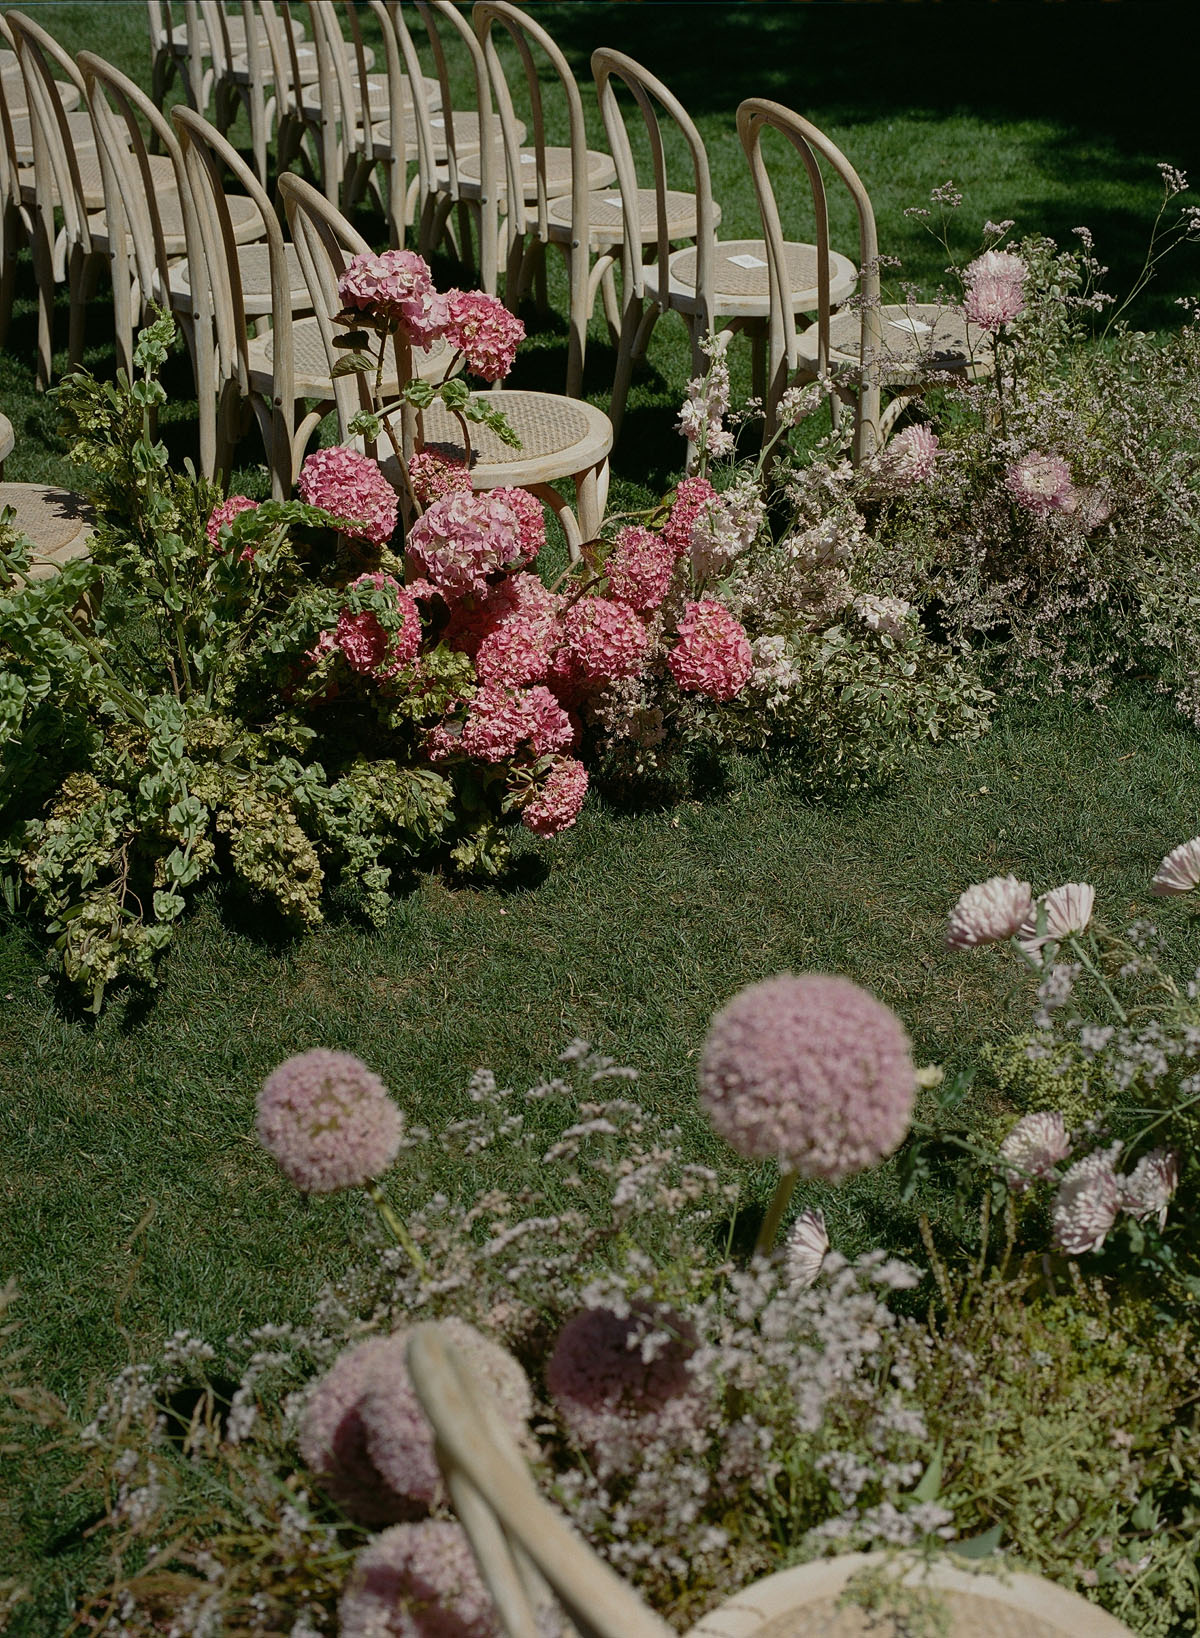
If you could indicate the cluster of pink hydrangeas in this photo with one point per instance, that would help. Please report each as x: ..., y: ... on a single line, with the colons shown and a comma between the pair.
x: 396, y: 287
x: 692, y: 496
x: 531, y: 520
x: 328, y: 1121
x: 520, y: 648
x: 225, y: 512
x: 995, y: 290
x: 713, y: 655
x: 367, y: 646
x: 417, y: 1581
x: 555, y: 806
x: 810, y: 1071
x: 519, y: 596
x: 500, y: 721
x: 1041, y: 483
x: 603, y: 641
x: 640, y: 568
x: 433, y: 475
x: 352, y: 486
x: 484, y: 331
x: 463, y: 539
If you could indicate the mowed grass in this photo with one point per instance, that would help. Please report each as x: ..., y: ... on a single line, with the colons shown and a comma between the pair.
x: 135, y: 1198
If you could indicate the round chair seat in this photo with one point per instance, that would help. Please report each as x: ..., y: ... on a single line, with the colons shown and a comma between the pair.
x: 466, y: 134
x: 162, y: 174
x: 80, y: 126
x: 600, y: 172
x: 56, y: 522
x: 13, y: 91
x: 917, y: 339
x: 311, y: 366
x: 237, y: 36
x: 311, y: 105
x: 741, y: 279
x: 606, y: 219
x: 558, y: 436
x: 7, y: 438
x: 254, y: 270
x: 247, y: 223
x: 305, y: 61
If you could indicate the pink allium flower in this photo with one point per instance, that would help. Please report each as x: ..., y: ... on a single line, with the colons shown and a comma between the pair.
x: 989, y: 911
x: 1041, y: 483
x: 890, y: 615
x: 995, y: 290
x: 434, y: 475
x: 1179, y: 872
x: 418, y: 1581
x: 640, y: 568
x: 352, y: 486
x: 1149, y: 1187
x: 398, y: 288
x: 1068, y: 910
x: 328, y: 1121
x: 225, y: 512
x: 463, y: 539
x: 603, y: 640
x: 368, y: 648
x: 1087, y: 1203
x: 805, y: 1248
x: 500, y: 721
x: 555, y: 806
x: 484, y: 330
x: 531, y: 520
x: 692, y: 496
x: 713, y: 654
x: 1034, y: 1148
x: 811, y: 1071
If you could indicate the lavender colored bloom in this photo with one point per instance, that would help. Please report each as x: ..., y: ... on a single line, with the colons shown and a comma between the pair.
x: 1041, y: 483
x: 1147, y: 1190
x: 988, y: 912
x: 1034, y: 1147
x: 1179, y: 871
x: 908, y: 460
x: 805, y: 1248
x: 1068, y: 910
x: 995, y: 290
x: 328, y: 1121
x: 1087, y: 1203
x: 811, y: 1071
x: 417, y: 1581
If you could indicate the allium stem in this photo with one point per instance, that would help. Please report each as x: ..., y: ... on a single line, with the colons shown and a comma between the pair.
x: 775, y: 1211
x: 395, y: 1226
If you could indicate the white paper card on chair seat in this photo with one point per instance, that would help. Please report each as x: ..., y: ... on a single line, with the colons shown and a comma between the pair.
x: 438, y: 124
x: 612, y: 199
x: 528, y: 159
x: 912, y: 326
x: 746, y: 260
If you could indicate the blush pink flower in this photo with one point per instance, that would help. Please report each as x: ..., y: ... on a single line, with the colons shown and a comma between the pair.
x: 518, y: 650
x: 500, y: 721
x: 464, y: 539
x: 1086, y: 1205
x: 640, y: 568
x: 418, y: 1581
x: 1041, y: 483
x: 988, y: 912
x: 397, y: 288
x: 995, y: 290
x: 485, y: 332
x: 1034, y: 1148
x: 810, y: 1071
x: 692, y: 496
x: 531, y: 520
x: 351, y: 486
x: 805, y: 1249
x: 603, y: 641
x: 555, y: 805
x: 225, y: 512
x: 368, y: 647
x: 890, y: 615
x: 910, y: 459
x: 713, y: 654
x: 1068, y: 909
x: 1148, y: 1189
x: 328, y: 1121
x: 433, y: 475
x: 1179, y: 872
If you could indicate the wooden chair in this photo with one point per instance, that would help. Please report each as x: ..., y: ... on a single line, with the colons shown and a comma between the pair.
x: 901, y: 346
x: 559, y: 437
x: 188, y: 38
x: 12, y: 86
x: 710, y: 280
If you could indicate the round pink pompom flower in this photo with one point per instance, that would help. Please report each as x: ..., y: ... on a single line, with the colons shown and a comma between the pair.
x: 398, y: 288
x: 500, y: 721
x: 811, y: 1071
x: 1041, y: 483
x: 640, y: 568
x: 555, y: 805
x: 462, y: 540
x: 604, y: 640
x: 692, y: 496
x: 351, y: 486
x: 995, y: 290
x: 417, y: 1581
x: 433, y: 475
x: 368, y: 647
x: 328, y: 1121
x: 225, y: 512
x: 484, y: 330
x: 531, y: 519
x: 713, y: 655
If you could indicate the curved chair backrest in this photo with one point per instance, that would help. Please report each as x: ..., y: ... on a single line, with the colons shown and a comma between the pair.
x: 519, y: 1540
x: 652, y: 98
x: 419, y: 108
x: 10, y: 188
x: 55, y: 163
x: 814, y: 147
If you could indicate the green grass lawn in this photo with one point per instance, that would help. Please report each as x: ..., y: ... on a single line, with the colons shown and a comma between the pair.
x: 136, y: 1200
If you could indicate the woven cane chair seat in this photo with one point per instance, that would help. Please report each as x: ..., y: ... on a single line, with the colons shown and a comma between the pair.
x: 56, y: 522
x: 466, y: 133
x: 558, y: 436
x: 237, y: 36
x: 9, y: 63
x: 306, y: 61
x: 91, y: 182
x: 311, y: 365
x: 917, y: 339
x: 600, y: 172
x: 83, y: 137
x: 12, y: 88
x: 605, y: 222
x: 377, y: 92
x: 7, y: 438
x: 247, y: 224
x: 254, y: 270
x: 742, y: 282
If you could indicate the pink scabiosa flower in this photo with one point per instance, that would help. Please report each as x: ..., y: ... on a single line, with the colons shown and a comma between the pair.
x: 368, y: 647
x: 531, y: 520
x: 397, y: 288
x: 351, y: 486
x: 1148, y: 1189
x: 1034, y: 1148
x: 1179, y: 872
x: 988, y: 912
x: 1068, y: 909
x: 462, y: 540
x: 640, y: 568
x: 328, y: 1121
x: 1087, y: 1203
x: 484, y: 331
x: 995, y: 290
x: 1041, y: 483
x: 554, y: 805
x: 811, y: 1071
x: 418, y: 1581
x: 603, y: 640
x: 225, y: 512
x: 692, y: 496
x: 433, y: 475
x: 713, y: 655
x: 805, y: 1249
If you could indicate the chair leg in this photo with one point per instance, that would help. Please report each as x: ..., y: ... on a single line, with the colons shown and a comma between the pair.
x: 591, y: 493
x: 43, y: 271
x: 566, y: 517
x: 8, y: 268
x: 633, y: 323
x: 580, y: 311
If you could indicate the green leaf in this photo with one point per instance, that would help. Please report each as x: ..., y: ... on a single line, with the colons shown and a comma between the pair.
x: 931, y: 1480
x: 353, y: 364
x: 365, y: 425
x: 981, y: 1546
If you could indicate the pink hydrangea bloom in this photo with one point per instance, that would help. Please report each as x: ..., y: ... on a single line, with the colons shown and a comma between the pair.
x: 1041, y: 483
x: 1087, y: 1203
x: 1148, y: 1189
x: 518, y: 650
x: 398, y: 288
x: 352, y: 486
x: 500, y: 721
x: 367, y: 646
x: 995, y: 290
x: 988, y: 912
x: 811, y: 1071
x: 1179, y: 872
x: 603, y: 641
x: 1034, y: 1148
x: 225, y: 512
x: 418, y: 1581
x: 463, y: 539
x: 713, y: 654
x: 433, y: 475
x: 484, y: 330
x: 328, y: 1121
x: 640, y: 568
x: 555, y: 806
x: 805, y: 1249
x: 531, y: 520
x: 691, y: 497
